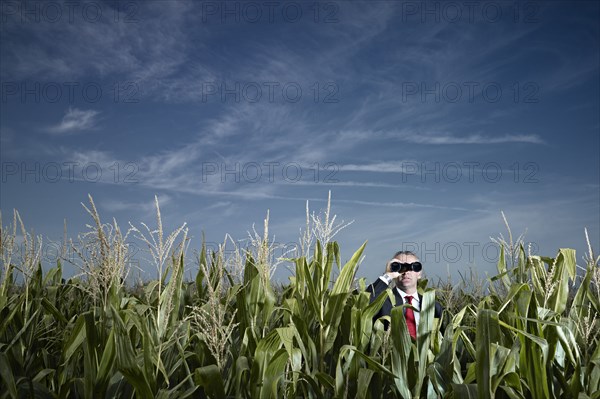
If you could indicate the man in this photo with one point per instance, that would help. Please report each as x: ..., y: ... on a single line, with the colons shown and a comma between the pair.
x: 405, y: 270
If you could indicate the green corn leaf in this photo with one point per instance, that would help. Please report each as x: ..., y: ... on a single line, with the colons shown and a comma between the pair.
x: 440, y: 379
x: 16, y: 310
x: 533, y: 358
x: 333, y: 316
x: 7, y: 282
x: 176, y: 291
x: 40, y: 376
x: 298, y: 282
x: 286, y: 334
x: 502, y: 269
x: 565, y: 270
x: 25, y: 329
x: 6, y: 372
x: 90, y: 355
x: 464, y: 391
x: 346, y: 277
x: 75, y: 339
x: 265, y: 351
x: 593, y: 373
x: 296, y: 363
x: 126, y: 359
x: 579, y: 302
x: 151, y: 356
x: 313, y: 299
x: 488, y: 332
x: 305, y: 343
x: 339, y: 295
x: 51, y: 309
x: 511, y: 392
x: 341, y: 371
x: 401, y: 359
x: 106, y: 364
x: 349, y: 350
x: 364, y: 379
x: 366, y: 319
x: 326, y: 380
x: 176, y: 390
x: 273, y: 374
x: 332, y: 252
x: 170, y: 298
x: 209, y: 378
x: 200, y: 275
x: 54, y: 275
x: 242, y: 372
x: 425, y: 330
x: 514, y: 291
x: 312, y: 382
x: 250, y: 270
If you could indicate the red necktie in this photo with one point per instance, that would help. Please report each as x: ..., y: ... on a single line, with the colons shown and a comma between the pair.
x: 410, y: 319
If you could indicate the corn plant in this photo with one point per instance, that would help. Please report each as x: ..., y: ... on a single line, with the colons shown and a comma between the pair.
x: 533, y: 334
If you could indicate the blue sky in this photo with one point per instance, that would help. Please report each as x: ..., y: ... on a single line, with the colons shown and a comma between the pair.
x: 424, y: 119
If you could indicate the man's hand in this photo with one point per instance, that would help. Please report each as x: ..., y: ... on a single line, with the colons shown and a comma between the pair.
x: 389, y: 272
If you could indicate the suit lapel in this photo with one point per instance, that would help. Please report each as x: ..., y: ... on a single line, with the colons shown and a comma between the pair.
x: 399, y: 300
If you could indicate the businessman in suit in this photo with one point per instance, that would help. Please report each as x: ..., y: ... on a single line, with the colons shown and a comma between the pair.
x: 404, y: 271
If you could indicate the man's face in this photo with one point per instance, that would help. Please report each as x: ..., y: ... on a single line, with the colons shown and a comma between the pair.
x: 407, y: 281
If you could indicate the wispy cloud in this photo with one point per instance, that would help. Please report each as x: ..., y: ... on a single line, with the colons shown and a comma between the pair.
x: 75, y: 50
x: 396, y: 204
x: 113, y: 205
x: 382, y: 167
x: 446, y: 139
x: 75, y: 121
x: 349, y: 183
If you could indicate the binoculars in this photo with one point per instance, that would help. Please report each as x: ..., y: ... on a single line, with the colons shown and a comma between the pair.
x: 400, y: 267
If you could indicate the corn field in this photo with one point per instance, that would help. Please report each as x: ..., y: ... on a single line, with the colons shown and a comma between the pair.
x: 532, y: 332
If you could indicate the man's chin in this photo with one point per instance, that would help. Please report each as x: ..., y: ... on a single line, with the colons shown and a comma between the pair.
x: 404, y: 285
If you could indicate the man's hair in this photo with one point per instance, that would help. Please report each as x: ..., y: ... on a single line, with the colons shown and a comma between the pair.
x: 405, y: 253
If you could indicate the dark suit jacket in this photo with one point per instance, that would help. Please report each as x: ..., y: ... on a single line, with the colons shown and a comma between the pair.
x: 386, y: 309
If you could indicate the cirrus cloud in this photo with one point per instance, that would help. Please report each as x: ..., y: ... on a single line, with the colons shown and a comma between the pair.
x: 74, y: 121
